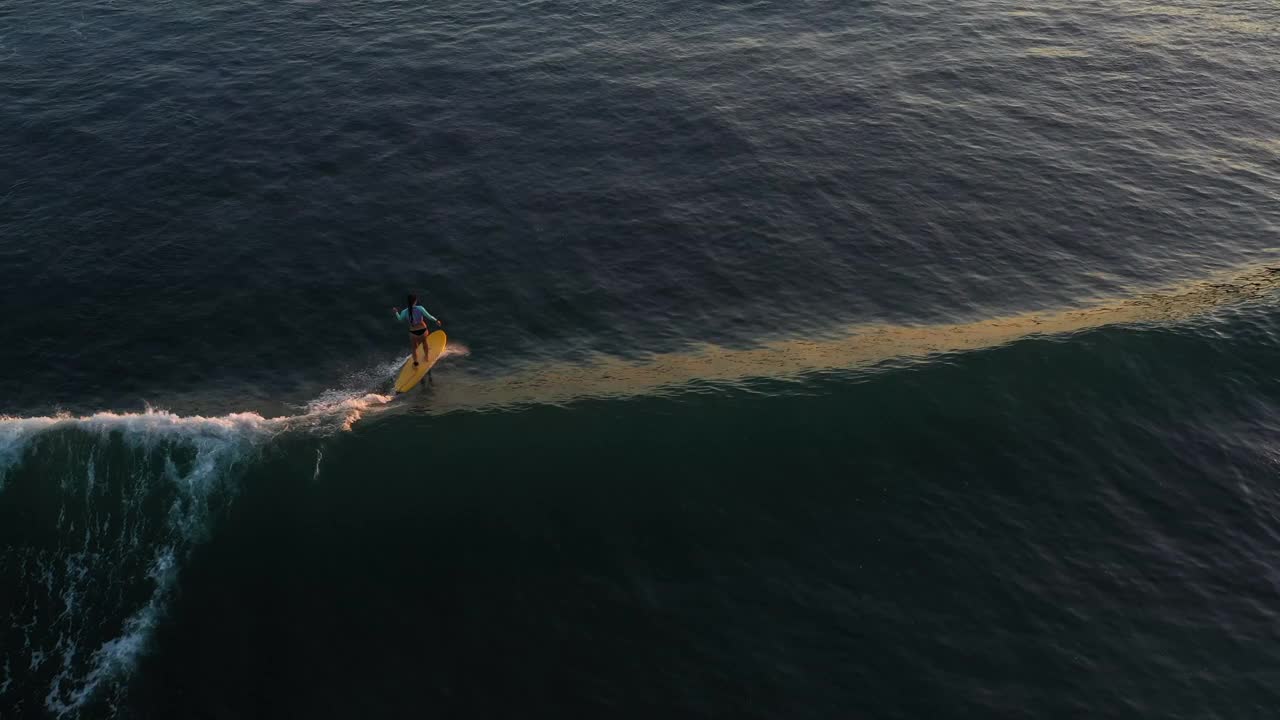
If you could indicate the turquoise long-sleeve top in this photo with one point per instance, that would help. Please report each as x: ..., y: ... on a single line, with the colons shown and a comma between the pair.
x: 419, y: 313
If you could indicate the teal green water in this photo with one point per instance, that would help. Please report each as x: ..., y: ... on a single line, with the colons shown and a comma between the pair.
x: 884, y: 359
x: 969, y: 533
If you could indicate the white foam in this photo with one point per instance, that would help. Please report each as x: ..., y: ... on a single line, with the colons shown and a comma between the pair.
x: 118, y: 655
x: 455, y: 349
x: 334, y: 405
x: 351, y: 400
x: 148, y: 426
x: 15, y: 433
x: 334, y: 409
x: 219, y: 443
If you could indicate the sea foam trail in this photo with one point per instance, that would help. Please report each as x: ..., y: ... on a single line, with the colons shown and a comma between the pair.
x: 852, y: 347
x: 94, y: 563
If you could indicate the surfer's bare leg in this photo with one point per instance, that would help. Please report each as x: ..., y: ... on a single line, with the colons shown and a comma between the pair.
x: 413, y: 348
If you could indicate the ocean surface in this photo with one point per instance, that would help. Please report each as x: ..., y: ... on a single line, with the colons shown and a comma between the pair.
x: 810, y: 359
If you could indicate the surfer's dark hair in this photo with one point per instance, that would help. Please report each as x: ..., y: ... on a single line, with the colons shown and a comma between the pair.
x: 413, y: 300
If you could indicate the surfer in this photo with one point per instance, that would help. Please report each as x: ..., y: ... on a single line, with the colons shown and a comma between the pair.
x: 417, y: 317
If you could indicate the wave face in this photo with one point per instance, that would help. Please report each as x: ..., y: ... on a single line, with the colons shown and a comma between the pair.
x: 99, y: 512
x: 140, y: 550
x: 969, y: 528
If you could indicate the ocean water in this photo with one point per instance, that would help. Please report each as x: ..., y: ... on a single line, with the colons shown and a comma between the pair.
x: 884, y: 359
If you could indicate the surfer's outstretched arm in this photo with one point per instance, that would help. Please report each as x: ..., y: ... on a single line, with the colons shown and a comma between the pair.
x: 428, y: 315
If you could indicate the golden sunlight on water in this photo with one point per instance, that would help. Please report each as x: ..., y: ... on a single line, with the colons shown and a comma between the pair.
x: 857, y: 346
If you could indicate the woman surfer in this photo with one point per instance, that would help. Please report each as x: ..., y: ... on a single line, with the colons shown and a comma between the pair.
x: 417, y: 317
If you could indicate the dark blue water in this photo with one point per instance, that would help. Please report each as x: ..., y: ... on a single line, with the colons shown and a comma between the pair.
x: 816, y: 359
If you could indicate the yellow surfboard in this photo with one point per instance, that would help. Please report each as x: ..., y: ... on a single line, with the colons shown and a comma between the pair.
x: 410, y: 375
